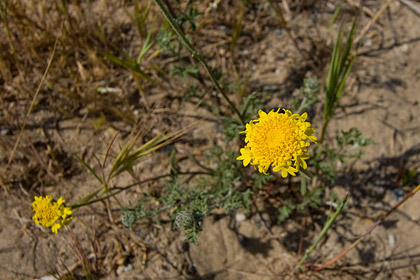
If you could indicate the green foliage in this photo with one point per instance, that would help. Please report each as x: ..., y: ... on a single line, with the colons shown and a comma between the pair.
x: 224, y: 184
x: 301, y: 203
x: 231, y: 126
x: 132, y: 214
x: 141, y: 13
x: 324, y: 230
x: 340, y: 66
x: 189, y: 204
x: 168, y: 43
x: 191, y: 207
x: 354, y: 139
x: 197, y: 96
x: 337, y: 12
x: 324, y: 161
x: 186, y: 16
x: 190, y: 223
x: 126, y: 159
x: 409, y: 177
x: 121, y: 57
x: 184, y: 70
x: 227, y: 174
x: 239, y: 200
x: 260, y: 179
x: 251, y: 104
x: 186, y: 206
x: 197, y: 55
x: 284, y: 212
x: 190, y: 16
x: 348, y: 145
x: 308, y: 96
x: 129, y: 156
x: 125, y: 61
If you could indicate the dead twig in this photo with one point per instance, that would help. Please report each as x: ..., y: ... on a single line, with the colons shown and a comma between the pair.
x: 279, y: 14
x: 364, y: 9
x: 409, y: 4
x: 372, y: 21
x: 33, y: 100
x: 368, y: 231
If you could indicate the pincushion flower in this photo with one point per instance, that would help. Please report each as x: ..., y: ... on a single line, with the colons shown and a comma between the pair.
x: 277, y: 140
x: 50, y: 214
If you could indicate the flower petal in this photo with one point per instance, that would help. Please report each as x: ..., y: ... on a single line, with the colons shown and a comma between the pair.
x: 279, y: 140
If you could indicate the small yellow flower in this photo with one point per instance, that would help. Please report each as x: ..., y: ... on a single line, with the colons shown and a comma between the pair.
x: 49, y: 213
x: 277, y: 140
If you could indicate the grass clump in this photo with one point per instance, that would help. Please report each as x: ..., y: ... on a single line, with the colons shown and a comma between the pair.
x: 160, y: 135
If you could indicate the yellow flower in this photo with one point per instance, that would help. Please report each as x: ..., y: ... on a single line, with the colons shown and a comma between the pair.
x: 277, y: 140
x: 49, y: 213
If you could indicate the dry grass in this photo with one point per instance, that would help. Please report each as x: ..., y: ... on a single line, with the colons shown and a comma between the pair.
x: 100, y: 88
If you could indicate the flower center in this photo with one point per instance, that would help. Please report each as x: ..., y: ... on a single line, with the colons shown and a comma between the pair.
x: 46, y: 213
x: 275, y: 141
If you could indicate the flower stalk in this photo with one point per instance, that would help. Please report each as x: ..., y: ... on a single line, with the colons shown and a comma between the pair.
x: 196, y: 54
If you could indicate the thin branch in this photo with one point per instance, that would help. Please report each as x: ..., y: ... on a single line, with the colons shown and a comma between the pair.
x: 171, y: 20
x: 116, y: 190
x: 411, y: 6
x: 283, y: 23
x: 368, y: 231
x: 33, y: 101
x: 327, y: 226
x: 372, y: 21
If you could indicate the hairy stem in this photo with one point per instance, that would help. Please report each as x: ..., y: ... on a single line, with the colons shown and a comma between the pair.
x: 198, y: 56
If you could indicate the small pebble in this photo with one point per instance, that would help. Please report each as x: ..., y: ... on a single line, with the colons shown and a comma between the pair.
x: 278, y: 31
x: 398, y: 194
x: 4, y: 131
x: 391, y: 239
x: 124, y: 268
x: 240, y: 217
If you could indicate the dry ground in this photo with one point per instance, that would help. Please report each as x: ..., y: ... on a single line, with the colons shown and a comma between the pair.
x: 71, y: 117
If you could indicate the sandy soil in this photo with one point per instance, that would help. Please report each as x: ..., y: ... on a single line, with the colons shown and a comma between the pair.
x: 381, y: 99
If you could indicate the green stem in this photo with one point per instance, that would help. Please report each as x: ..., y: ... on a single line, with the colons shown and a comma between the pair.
x: 323, y: 130
x: 87, y: 200
x: 327, y: 226
x: 308, y: 174
x: 369, y: 230
x: 301, y: 106
x: 198, y: 56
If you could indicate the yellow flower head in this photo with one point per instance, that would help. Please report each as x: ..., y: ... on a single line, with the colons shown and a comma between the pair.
x: 49, y: 213
x: 277, y: 140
